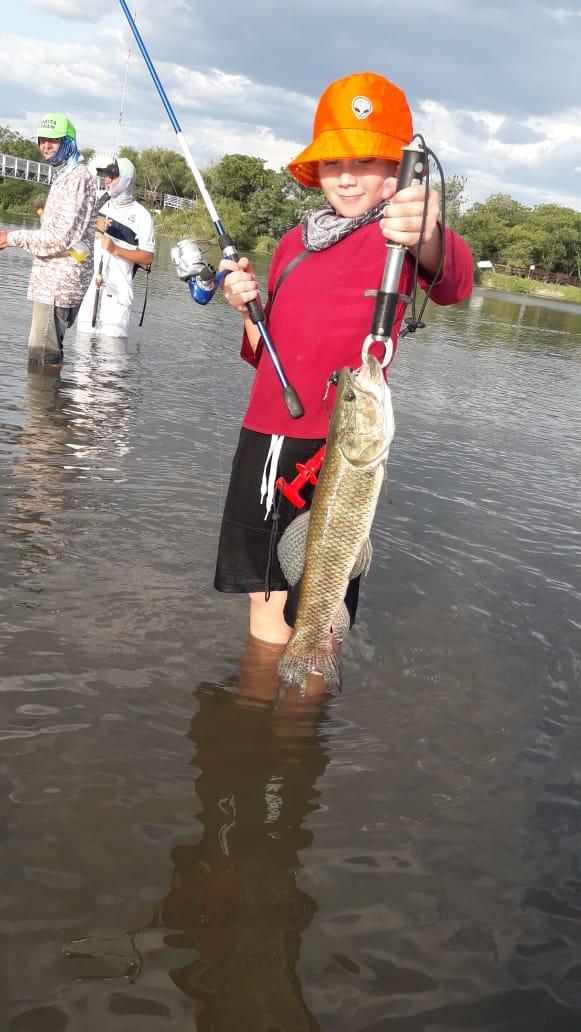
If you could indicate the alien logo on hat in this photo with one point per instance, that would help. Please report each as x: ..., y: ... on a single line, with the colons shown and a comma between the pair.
x: 362, y: 107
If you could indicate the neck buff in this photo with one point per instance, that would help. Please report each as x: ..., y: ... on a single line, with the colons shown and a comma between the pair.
x: 121, y: 191
x: 67, y: 157
x: 323, y: 228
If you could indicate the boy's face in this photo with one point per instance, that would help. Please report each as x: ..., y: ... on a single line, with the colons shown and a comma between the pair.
x: 354, y: 185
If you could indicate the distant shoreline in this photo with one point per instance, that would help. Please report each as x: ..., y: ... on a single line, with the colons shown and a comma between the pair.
x: 531, y: 288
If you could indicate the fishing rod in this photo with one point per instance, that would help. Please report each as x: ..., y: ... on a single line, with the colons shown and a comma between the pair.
x: 225, y: 242
x: 99, y: 279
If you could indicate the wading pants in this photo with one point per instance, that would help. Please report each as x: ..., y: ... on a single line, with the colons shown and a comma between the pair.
x: 49, y: 322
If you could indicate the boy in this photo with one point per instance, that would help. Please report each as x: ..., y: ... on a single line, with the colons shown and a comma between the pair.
x: 321, y: 317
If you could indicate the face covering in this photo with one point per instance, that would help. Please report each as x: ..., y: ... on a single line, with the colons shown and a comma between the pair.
x: 67, y: 157
x: 121, y: 191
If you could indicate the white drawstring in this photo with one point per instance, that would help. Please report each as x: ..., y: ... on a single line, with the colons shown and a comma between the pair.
x: 268, y: 484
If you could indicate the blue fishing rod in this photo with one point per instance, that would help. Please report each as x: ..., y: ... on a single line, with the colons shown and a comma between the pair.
x: 229, y: 251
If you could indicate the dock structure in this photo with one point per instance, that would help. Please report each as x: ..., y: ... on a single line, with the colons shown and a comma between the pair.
x: 40, y: 172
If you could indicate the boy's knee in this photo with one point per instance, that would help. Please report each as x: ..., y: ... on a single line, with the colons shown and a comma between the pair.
x: 267, y: 617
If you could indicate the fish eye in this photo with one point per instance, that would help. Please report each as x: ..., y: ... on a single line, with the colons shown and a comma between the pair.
x: 349, y: 395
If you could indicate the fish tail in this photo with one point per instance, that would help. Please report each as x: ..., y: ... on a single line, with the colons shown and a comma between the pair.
x: 296, y: 664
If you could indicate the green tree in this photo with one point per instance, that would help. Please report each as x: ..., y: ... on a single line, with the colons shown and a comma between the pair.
x: 559, y: 230
x: 303, y: 199
x: 454, y: 197
x: 195, y: 222
x: 164, y: 171
x: 484, y: 233
x: 131, y: 153
x: 11, y: 142
x: 238, y: 176
x: 523, y: 245
x: 507, y: 210
x: 17, y: 195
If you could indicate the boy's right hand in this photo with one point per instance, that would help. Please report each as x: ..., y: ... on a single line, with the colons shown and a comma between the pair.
x: 240, y: 286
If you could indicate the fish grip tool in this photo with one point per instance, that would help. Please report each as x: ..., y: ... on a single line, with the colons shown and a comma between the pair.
x: 291, y: 398
x: 412, y: 169
x: 306, y: 474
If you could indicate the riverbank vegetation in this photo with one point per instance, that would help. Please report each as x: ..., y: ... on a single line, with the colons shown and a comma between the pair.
x: 258, y: 205
x: 522, y: 285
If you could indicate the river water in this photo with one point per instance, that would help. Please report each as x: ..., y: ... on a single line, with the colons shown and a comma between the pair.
x: 178, y: 852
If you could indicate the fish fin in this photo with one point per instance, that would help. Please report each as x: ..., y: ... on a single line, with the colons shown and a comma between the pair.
x: 295, y: 665
x: 341, y: 623
x: 292, y: 548
x: 363, y: 560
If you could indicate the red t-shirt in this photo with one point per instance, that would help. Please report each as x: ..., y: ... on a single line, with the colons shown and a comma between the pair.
x: 320, y: 319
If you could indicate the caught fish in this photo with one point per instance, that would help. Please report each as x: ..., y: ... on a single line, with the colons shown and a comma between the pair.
x: 329, y: 545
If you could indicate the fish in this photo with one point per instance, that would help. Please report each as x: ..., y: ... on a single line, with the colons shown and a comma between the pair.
x: 329, y: 545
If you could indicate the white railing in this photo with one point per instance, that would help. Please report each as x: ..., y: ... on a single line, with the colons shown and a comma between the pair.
x: 24, y: 168
x: 169, y: 201
x: 39, y: 172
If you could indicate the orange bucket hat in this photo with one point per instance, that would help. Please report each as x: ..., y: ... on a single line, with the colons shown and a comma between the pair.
x: 361, y: 116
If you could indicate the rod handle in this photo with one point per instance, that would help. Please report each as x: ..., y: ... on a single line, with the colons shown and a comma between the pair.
x: 229, y: 251
x: 412, y: 167
x: 255, y: 312
x: 292, y: 402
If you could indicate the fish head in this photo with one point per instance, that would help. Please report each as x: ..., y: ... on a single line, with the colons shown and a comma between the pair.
x: 362, y: 422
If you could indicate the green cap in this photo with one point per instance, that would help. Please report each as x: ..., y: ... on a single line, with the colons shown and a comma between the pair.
x: 53, y: 127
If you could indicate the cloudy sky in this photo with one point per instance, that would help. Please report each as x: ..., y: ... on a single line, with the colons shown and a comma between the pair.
x: 494, y: 86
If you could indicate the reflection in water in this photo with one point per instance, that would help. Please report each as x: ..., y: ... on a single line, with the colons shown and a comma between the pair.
x: 234, y: 894
x: 71, y: 426
x: 520, y: 316
x: 37, y: 490
x: 233, y: 909
x: 102, y: 393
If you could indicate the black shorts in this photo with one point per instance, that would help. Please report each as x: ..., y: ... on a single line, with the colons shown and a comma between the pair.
x: 247, y: 556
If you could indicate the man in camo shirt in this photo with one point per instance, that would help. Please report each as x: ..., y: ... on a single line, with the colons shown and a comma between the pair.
x: 63, y: 246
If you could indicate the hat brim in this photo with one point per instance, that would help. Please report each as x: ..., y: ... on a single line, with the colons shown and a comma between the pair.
x: 335, y: 144
x: 111, y: 170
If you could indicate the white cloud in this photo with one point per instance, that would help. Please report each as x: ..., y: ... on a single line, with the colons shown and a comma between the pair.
x: 73, y: 69
x: 563, y: 14
x: 86, y: 10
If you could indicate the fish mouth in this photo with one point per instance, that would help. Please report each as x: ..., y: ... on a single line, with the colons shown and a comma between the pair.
x: 369, y: 377
x: 366, y: 429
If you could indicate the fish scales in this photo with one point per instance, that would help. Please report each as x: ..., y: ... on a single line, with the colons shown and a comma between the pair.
x: 340, y: 520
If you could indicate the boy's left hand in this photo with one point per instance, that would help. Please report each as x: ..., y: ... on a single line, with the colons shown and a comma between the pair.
x: 404, y: 213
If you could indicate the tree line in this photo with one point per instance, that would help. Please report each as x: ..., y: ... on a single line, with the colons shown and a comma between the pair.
x: 258, y: 205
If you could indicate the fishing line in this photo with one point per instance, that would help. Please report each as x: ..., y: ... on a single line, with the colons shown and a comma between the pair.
x: 123, y: 92
x: 413, y: 322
